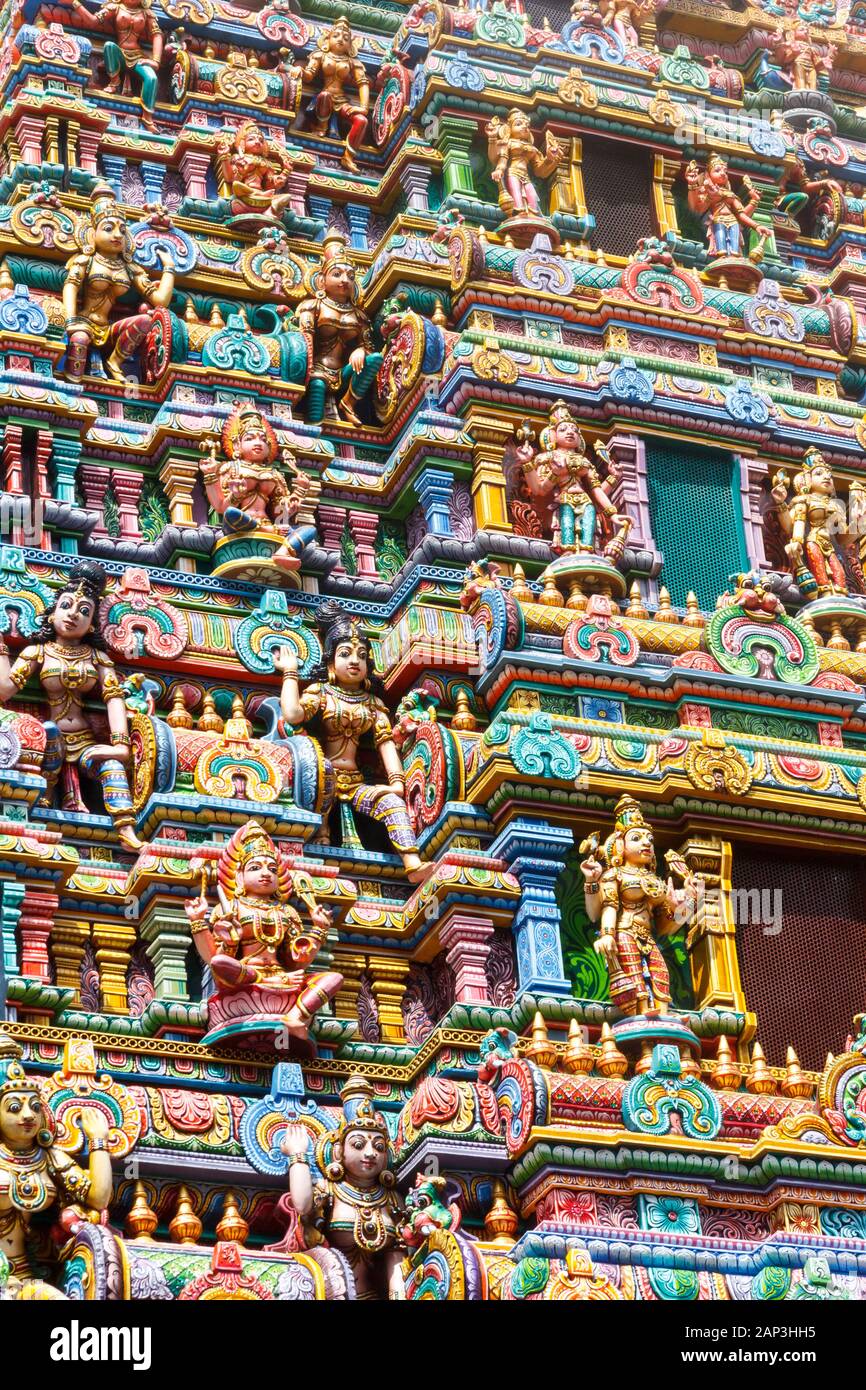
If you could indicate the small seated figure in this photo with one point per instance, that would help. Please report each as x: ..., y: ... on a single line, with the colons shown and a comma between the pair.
x: 248, y: 491
x: 512, y: 153
x: 254, y: 172
x: 355, y: 1207
x: 255, y: 938
x: 134, y: 26
x: 97, y: 278
x: 344, y: 364
x: 337, y: 64
x: 35, y: 1173
x: 70, y: 659
x: 632, y: 906
x: 820, y: 546
x: 346, y: 698
x: 562, y: 474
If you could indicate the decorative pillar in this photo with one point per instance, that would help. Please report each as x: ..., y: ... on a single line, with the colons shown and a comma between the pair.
x: 88, y: 149
x: 38, y: 909
x: 68, y: 942
x: 94, y: 483
x: 632, y: 498
x: 434, y: 488
x: 489, y: 436
x: 178, y: 476
x: 466, y: 941
x: 41, y: 491
x: 165, y: 932
x: 320, y: 207
x: 389, y: 975
x: 351, y: 965
x: 114, y: 942
x: 752, y: 496
x: 127, y: 489
x: 359, y: 222
x: 11, y: 896
x: 363, y: 526
x: 28, y: 133
x: 115, y: 168
x: 534, y: 851
x: 194, y: 167
x: 711, y: 938
x: 13, y: 477
x: 296, y: 187
x: 332, y: 524
x: 454, y: 141
x: 65, y: 457
x: 415, y: 179
x: 153, y: 176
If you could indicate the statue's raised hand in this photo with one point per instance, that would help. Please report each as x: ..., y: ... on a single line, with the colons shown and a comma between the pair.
x: 286, y: 661
x: 94, y: 1122
x: 295, y: 1141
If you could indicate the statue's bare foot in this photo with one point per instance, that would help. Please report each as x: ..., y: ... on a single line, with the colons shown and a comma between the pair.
x: 114, y: 367
x: 128, y: 838
x: 421, y: 873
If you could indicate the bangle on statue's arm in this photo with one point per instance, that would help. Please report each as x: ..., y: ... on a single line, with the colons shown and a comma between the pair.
x: 118, y: 737
x: 4, y: 650
x: 298, y: 1158
x: 97, y: 1146
x: 590, y: 888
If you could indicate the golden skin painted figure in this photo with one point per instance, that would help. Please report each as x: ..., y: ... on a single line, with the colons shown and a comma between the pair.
x: 344, y: 698
x: 355, y: 1207
x: 69, y: 658
x: 632, y: 906
x: 512, y: 152
x: 255, y: 938
x: 337, y: 65
x: 819, y: 543
x: 339, y: 336
x: 254, y: 171
x: 97, y: 278
x: 35, y: 1173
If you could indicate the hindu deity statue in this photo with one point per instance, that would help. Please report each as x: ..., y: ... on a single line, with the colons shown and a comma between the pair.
x: 345, y: 699
x: 632, y: 906
x: 254, y: 172
x: 254, y: 938
x: 823, y: 552
x: 625, y: 17
x: 337, y: 65
x: 724, y: 214
x: 96, y: 278
x: 801, y: 60
x: 339, y: 336
x: 511, y: 150
x: 247, y: 488
x: 561, y: 474
x: 134, y: 27
x: 35, y: 1173
x: 355, y: 1207
x: 69, y: 658
x: 823, y: 196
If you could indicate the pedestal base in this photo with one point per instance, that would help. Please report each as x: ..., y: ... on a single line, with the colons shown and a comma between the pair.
x: 737, y: 273
x: 593, y: 573
x: 646, y: 1031
x: 259, y: 557
x: 524, y: 227
x: 254, y: 1018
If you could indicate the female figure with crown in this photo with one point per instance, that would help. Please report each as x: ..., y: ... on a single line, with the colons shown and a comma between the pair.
x: 34, y: 1172
x: 249, y: 491
x: 71, y: 662
x: 346, y: 698
x: 337, y: 63
x: 339, y: 337
x: 820, y: 545
x: 355, y: 1207
x: 96, y: 278
x: 632, y: 907
x: 254, y: 938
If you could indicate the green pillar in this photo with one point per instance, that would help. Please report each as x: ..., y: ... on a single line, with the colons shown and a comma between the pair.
x: 454, y: 142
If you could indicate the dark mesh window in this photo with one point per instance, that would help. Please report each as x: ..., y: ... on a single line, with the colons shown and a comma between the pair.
x: 617, y: 180
x: 696, y: 524
x: 558, y: 14
x: 807, y: 981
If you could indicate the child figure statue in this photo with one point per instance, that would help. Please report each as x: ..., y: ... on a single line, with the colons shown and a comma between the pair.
x: 355, y: 1207
x: 256, y: 945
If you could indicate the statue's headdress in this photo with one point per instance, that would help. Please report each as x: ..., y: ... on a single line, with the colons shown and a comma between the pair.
x: 559, y: 412
x: 103, y: 203
x: 87, y: 579
x: 248, y: 842
x: 340, y: 22
x: 335, y: 252
x: 813, y: 458
x: 12, y: 1075
x: 246, y: 416
x: 627, y: 816
x: 359, y: 1114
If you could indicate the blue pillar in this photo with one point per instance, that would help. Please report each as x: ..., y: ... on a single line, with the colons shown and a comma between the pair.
x: 359, y: 222
x: 114, y: 166
x: 320, y: 208
x: 433, y: 488
x: 535, y: 852
x: 154, y: 177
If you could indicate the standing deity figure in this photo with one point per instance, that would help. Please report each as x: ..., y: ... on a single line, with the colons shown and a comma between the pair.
x: 724, y: 214
x: 337, y: 64
x: 69, y: 658
x: 346, y: 699
x: 632, y: 906
x: 819, y: 545
x: 34, y: 1172
x: 355, y: 1207
x: 254, y: 172
x: 96, y: 278
x: 512, y: 153
x: 625, y: 17
x: 339, y: 336
x: 802, y: 62
x: 247, y: 489
x: 134, y: 27
x: 254, y: 937
x: 561, y: 473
